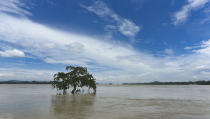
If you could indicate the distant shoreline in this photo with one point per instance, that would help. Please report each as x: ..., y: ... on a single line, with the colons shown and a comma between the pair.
x: 25, y: 82
x: 201, y: 82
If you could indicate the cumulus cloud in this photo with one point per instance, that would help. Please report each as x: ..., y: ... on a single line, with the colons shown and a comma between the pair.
x: 12, y: 53
x: 125, y: 26
x: 182, y: 15
x: 128, y: 28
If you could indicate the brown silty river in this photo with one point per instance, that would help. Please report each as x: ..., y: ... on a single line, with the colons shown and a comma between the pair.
x: 110, y: 102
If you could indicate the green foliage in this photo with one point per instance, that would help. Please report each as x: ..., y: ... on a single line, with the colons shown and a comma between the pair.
x: 75, y: 77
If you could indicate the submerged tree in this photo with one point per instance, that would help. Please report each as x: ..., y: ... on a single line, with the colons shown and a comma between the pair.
x: 76, y: 77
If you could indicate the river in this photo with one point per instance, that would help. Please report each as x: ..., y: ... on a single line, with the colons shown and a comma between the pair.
x: 110, y: 102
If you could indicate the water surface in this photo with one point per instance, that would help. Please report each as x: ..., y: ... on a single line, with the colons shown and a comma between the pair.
x: 110, y: 102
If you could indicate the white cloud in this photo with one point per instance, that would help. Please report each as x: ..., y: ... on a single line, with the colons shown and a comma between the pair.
x: 25, y: 74
x: 19, y: 31
x: 205, y: 48
x: 13, y: 7
x: 128, y: 28
x: 117, y: 62
x: 188, y: 48
x: 109, y: 61
x: 33, y: 37
x: 125, y: 26
x: 12, y: 53
x: 75, y: 47
x: 207, y: 17
x: 65, y: 61
x: 182, y: 15
x: 169, y: 51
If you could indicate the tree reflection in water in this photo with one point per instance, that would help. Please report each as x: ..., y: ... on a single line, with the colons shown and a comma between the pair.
x: 72, y: 106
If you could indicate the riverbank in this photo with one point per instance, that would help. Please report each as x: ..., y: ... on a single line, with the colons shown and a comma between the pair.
x: 201, y: 82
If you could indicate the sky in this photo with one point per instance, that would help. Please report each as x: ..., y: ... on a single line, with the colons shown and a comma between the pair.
x: 117, y: 40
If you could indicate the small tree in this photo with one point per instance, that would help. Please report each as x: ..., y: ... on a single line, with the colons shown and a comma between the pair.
x: 75, y: 77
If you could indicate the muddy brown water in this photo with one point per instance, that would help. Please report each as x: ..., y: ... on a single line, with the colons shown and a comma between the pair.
x: 110, y: 102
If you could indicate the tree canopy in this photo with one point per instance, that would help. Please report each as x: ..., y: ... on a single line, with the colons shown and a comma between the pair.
x: 76, y: 77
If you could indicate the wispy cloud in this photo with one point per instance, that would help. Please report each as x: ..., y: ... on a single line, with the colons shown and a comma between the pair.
x: 169, y: 51
x: 68, y: 48
x: 119, y: 62
x: 205, y: 47
x: 15, y: 7
x: 207, y: 17
x: 124, y: 26
x: 182, y: 15
x: 25, y: 74
x: 12, y: 53
x: 114, y: 62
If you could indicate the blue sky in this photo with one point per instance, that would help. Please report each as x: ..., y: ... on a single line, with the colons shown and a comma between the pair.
x: 117, y: 40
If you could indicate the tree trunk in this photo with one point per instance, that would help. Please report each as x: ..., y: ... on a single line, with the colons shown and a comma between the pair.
x: 74, y: 89
x: 64, y: 91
